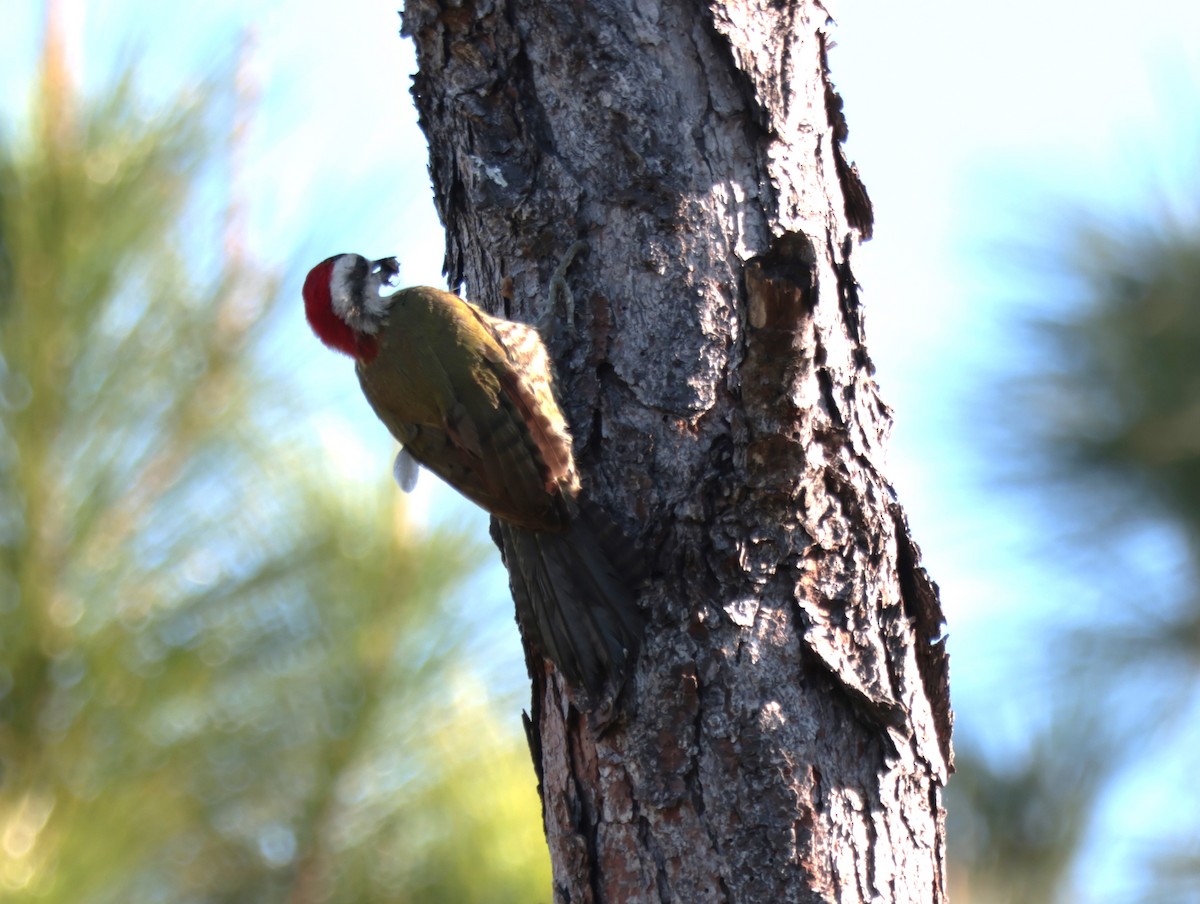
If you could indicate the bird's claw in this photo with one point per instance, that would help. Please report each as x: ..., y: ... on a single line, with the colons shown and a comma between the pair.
x: 560, y: 288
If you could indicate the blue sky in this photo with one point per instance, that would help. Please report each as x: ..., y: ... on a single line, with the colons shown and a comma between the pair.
x: 976, y: 127
x: 973, y: 125
x: 967, y: 121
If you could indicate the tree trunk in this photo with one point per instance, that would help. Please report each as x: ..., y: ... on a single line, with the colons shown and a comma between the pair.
x: 786, y: 734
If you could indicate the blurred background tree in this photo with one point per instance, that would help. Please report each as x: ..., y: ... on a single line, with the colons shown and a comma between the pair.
x: 1100, y: 426
x: 225, y: 675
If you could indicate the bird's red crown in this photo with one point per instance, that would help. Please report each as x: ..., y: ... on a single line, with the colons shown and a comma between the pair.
x: 344, y: 304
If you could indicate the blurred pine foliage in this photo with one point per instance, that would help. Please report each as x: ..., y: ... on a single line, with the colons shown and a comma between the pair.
x: 222, y: 676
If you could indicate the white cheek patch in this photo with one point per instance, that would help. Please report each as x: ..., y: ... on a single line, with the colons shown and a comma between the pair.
x: 365, y: 312
x: 340, y: 293
x: 375, y: 301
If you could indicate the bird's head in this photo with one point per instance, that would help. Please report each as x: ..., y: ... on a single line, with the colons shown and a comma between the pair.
x: 346, y: 304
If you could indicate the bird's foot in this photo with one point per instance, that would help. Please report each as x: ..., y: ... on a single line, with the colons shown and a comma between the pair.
x: 560, y: 289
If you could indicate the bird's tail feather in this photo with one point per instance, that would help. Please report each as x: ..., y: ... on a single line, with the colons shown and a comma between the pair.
x: 575, y: 598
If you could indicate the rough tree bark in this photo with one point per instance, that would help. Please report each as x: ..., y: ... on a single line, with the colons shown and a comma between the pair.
x: 786, y: 736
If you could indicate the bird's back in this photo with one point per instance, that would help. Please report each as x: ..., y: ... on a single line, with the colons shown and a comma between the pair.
x: 446, y: 388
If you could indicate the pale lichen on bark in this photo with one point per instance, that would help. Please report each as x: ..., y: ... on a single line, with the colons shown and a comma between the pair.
x: 787, y: 732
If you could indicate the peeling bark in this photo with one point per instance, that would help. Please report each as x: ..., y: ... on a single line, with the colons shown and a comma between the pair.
x: 786, y: 735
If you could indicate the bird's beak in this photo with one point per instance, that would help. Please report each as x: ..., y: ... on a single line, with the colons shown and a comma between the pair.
x: 387, y: 268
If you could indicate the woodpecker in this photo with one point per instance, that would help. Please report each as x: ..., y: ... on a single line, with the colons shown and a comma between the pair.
x: 470, y: 397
